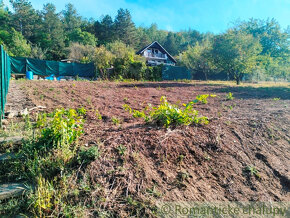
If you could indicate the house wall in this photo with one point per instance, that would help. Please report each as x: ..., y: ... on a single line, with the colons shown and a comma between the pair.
x: 155, y: 57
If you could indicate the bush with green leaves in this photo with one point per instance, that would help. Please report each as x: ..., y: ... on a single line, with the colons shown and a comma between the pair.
x: 167, y: 114
x: 63, y: 127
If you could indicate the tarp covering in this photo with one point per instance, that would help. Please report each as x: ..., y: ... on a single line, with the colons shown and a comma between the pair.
x: 20, y: 65
x: 175, y: 73
x: 5, y: 72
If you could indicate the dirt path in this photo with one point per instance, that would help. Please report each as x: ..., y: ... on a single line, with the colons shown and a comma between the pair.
x: 17, y: 100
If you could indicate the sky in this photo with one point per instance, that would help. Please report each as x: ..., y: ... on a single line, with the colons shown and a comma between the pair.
x: 175, y: 15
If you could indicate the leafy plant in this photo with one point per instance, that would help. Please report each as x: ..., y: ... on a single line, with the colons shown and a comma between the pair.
x: 203, y: 98
x: 116, y: 120
x: 82, y: 111
x: 167, y: 114
x: 229, y: 96
x: 252, y: 171
x: 64, y: 127
x: 98, y: 115
x: 121, y: 150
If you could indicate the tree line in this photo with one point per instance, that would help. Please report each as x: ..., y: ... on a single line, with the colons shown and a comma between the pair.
x: 255, y: 48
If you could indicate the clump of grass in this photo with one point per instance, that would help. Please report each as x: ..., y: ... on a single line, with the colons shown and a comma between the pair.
x: 167, y: 114
x: 276, y: 99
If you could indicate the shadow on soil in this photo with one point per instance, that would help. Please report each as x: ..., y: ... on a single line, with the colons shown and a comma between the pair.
x: 157, y: 85
x: 248, y: 92
x: 245, y: 92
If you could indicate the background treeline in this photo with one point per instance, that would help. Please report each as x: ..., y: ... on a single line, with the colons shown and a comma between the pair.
x: 256, y: 48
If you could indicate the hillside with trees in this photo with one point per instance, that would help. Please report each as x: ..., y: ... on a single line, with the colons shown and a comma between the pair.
x: 254, y: 49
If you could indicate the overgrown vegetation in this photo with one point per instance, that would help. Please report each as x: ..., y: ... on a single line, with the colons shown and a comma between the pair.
x: 167, y: 114
x: 49, y: 161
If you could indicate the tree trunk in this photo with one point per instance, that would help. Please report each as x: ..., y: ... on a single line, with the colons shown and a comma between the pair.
x: 205, y: 75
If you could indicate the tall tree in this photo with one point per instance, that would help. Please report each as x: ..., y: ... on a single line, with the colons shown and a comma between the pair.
x: 104, y: 30
x: 171, y: 44
x: 125, y: 28
x: 198, y: 58
x: 71, y: 19
x: 53, y: 32
x: 236, y: 53
x: 24, y: 18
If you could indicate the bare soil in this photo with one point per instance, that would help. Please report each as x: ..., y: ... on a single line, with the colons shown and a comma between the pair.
x: 189, y: 163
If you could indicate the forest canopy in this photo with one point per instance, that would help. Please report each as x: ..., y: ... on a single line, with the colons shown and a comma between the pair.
x: 256, y: 48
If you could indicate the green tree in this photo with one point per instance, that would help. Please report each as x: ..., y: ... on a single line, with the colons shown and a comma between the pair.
x: 104, y: 30
x: 125, y: 28
x: 71, y: 19
x: 18, y: 46
x: 236, y: 53
x: 103, y: 59
x: 25, y: 19
x: 83, y: 37
x: 127, y: 64
x: 198, y: 58
x: 53, y: 33
x: 80, y: 52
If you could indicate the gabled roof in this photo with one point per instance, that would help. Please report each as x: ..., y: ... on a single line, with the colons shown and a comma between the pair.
x: 155, y: 44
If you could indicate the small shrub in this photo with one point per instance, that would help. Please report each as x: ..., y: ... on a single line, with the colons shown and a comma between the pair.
x: 167, y: 114
x: 229, y: 96
x: 64, y: 127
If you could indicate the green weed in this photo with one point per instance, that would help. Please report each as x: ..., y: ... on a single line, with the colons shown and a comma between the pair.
x: 229, y: 96
x: 98, y: 115
x: 167, y: 114
x: 116, y: 120
x: 121, y: 150
x: 252, y: 171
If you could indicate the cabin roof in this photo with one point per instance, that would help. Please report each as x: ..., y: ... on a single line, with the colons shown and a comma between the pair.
x: 155, y: 44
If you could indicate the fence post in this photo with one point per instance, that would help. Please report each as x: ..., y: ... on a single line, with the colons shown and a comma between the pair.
x: 1, y: 84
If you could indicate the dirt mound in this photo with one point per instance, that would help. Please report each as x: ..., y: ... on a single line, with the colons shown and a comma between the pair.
x: 189, y: 163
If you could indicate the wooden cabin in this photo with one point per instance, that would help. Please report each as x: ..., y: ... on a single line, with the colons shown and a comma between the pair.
x: 155, y: 54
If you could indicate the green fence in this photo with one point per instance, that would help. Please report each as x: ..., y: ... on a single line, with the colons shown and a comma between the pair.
x: 175, y: 73
x: 20, y: 65
x: 5, y: 71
